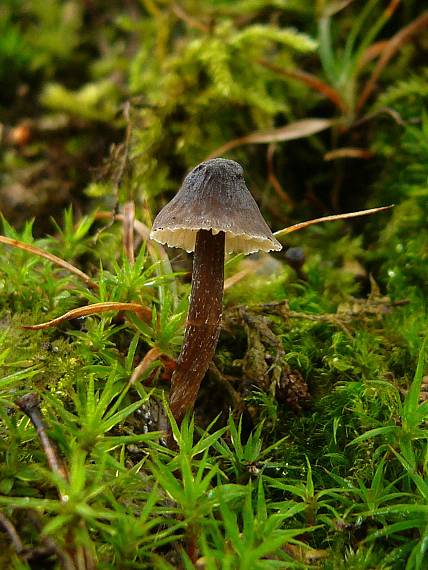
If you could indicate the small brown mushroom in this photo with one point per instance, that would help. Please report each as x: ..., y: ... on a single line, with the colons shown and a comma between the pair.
x: 213, y: 212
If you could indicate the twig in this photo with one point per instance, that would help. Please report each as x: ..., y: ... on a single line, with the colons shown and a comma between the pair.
x: 12, y: 532
x: 340, y: 319
x: 29, y: 404
x: 81, y: 557
x: 372, y: 52
x: 156, y: 250
x: 387, y: 111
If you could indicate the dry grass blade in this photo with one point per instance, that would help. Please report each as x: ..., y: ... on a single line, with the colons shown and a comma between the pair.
x: 382, y: 110
x: 233, y: 279
x: 151, y: 356
x: 94, y: 309
x: 334, y: 218
x: 168, y: 363
x: 296, y: 130
x: 348, y: 152
x: 57, y: 260
x: 310, y: 80
x: 390, y: 50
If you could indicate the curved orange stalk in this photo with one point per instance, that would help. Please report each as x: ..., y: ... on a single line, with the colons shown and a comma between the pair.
x: 333, y: 218
x: 93, y: 309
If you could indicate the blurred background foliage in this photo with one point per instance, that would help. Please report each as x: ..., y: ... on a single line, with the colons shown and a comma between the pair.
x: 194, y: 76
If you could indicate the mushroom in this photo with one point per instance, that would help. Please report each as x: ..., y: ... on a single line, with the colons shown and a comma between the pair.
x: 212, y: 213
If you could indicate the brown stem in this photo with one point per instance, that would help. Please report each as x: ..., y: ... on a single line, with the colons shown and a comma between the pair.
x: 203, y: 322
x: 12, y: 532
x: 77, y: 556
x: 29, y: 404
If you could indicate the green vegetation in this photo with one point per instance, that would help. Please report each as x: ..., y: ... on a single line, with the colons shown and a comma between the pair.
x: 308, y: 446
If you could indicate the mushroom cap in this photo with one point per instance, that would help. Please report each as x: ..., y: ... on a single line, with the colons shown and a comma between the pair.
x: 214, y: 197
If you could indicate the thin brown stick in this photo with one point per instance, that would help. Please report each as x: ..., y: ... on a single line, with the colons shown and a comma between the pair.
x: 30, y: 405
x: 390, y: 9
x: 12, y: 532
x: 383, y: 110
x: 78, y: 557
x: 333, y: 218
x: 94, y: 309
x: 53, y: 258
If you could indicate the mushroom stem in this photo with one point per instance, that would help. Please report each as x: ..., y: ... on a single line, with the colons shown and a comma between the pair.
x: 203, y: 322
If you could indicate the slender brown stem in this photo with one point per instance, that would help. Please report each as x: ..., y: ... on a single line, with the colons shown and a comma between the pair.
x: 77, y: 556
x: 30, y: 405
x: 9, y: 527
x: 203, y: 322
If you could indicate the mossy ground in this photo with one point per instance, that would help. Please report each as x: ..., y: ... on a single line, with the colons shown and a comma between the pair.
x: 308, y: 447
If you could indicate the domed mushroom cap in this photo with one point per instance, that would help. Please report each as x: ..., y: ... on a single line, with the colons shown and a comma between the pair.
x: 214, y: 197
